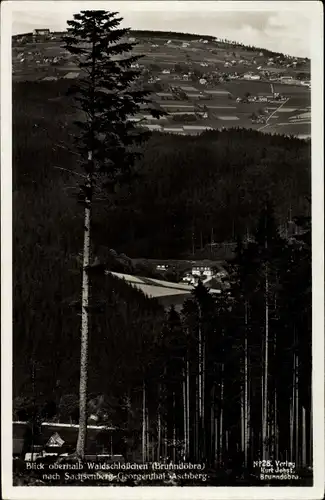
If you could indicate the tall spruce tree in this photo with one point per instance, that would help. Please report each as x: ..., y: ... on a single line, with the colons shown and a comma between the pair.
x: 107, y: 141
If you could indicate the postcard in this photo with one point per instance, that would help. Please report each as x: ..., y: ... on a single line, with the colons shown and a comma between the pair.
x: 162, y: 249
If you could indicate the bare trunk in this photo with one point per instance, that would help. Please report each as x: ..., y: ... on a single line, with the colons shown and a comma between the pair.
x: 196, y: 423
x: 311, y: 436
x: 203, y: 440
x: 303, y: 446
x: 174, y: 430
x: 166, y: 440
x: 297, y: 457
x: 212, y: 434
x: 242, y: 418
x: 216, y: 439
x: 185, y: 410
x: 144, y: 432
x: 221, y: 417
x: 147, y: 435
x: 265, y: 391
x: 159, y: 436
x: 292, y: 410
x: 188, y: 408
x: 83, y: 386
x: 246, y: 436
x: 275, y: 428
x: 200, y: 395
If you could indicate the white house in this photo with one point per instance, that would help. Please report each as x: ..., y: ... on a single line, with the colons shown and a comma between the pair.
x: 162, y: 267
x: 285, y: 78
x: 202, y: 270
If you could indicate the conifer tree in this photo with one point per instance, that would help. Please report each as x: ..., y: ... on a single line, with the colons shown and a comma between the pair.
x: 107, y: 141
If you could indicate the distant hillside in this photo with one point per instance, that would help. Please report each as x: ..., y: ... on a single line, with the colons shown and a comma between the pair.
x: 221, y: 42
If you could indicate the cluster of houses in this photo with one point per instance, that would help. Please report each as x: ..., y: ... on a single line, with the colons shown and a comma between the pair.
x: 275, y: 97
x: 37, y: 58
x: 208, y: 272
x: 211, y: 75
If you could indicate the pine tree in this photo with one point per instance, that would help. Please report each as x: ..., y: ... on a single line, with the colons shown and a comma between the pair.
x: 107, y: 141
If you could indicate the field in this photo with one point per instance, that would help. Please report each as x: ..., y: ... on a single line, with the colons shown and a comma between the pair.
x: 209, y: 77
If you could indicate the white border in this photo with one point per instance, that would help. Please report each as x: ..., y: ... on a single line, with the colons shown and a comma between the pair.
x: 317, y: 64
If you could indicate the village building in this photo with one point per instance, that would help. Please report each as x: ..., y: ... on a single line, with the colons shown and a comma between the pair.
x: 41, y: 32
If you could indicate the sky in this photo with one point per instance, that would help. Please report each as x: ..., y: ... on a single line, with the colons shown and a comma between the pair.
x: 280, y: 26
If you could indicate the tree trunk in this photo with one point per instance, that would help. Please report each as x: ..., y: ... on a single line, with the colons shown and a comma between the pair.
x: 83, y: 387
x: 221, y: 418
x: 185, y: 409
x: 147, y: 435
x: 144, y: 433
x: 174, y: 429
x: 188, y: 408
x: 216, y: 440
x: 246, y: 428
x: 292, y: 410
x: 200, y: 389
x: 297, y: 450
x: 196, y: 422
x: 242, y: 418
x: 159, y: 430
x: 203, y: 430
x: 265, y: 391
x: 303, y: 446
x: 311, y: 437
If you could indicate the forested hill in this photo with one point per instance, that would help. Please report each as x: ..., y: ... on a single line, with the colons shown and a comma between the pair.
x: 216, y: 182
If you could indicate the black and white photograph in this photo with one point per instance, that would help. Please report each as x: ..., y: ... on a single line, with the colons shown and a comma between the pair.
x: 162, y: 249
